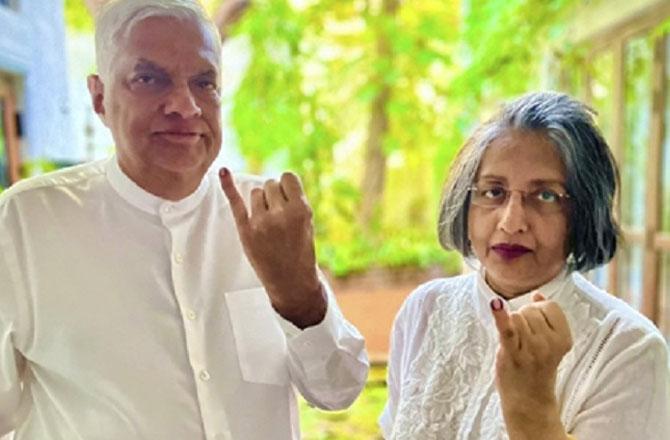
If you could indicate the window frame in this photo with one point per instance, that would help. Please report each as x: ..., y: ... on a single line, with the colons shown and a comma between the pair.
x: 653, y: 241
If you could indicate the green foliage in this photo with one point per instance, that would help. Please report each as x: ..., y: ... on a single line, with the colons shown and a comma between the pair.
x: 661, y: 29
x: 306, y: 95
x: 77, y: 17
x: 39, y: 166
x: 402, y: 248
x: 358, y: 422
x: 306, y: 99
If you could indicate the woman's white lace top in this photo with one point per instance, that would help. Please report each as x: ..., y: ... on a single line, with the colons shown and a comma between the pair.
x: 613, y: 384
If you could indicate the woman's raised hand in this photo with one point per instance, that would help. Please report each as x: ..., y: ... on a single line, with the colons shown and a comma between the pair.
x: 533, y: 340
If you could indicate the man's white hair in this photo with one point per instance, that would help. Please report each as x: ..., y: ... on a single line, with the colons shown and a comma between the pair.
x: 118, y: 17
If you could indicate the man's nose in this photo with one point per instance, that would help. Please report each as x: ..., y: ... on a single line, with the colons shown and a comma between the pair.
x: 513, y: 218
x: 181, y: 101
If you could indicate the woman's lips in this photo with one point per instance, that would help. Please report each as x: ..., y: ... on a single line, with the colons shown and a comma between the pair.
x: 509, y: 251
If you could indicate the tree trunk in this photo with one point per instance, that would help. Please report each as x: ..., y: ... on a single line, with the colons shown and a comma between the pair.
x: 229, y: 13
x: 374, y: 168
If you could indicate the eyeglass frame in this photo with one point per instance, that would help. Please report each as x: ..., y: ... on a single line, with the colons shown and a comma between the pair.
x: 563, y: 198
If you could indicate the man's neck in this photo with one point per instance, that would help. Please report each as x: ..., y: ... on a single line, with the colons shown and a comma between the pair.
x: 167, y: 185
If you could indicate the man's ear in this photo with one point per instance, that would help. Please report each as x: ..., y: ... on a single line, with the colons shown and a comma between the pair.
x: 97, y: 91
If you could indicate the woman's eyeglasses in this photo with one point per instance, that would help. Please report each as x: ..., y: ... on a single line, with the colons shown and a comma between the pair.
x: 541, y: 200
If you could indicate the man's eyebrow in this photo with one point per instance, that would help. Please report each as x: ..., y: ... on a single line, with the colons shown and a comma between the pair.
x: 144, y: 64
x: 208, y: 73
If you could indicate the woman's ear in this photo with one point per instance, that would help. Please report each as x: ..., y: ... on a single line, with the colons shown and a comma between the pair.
x: 97, y: 91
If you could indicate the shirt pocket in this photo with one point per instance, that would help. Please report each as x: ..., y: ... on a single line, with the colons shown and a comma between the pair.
x: 259, y: 339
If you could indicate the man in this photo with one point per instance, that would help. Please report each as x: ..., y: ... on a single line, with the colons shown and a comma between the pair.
x: 144, y: 297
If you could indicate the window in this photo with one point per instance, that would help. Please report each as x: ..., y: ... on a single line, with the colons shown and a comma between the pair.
x: 599, y: 94
x: 625, y: 76
x: 633, y: 166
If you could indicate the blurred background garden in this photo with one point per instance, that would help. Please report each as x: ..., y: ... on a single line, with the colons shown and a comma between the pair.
x: 368, y: 101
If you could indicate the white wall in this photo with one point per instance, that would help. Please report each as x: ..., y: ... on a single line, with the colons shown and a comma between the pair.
x: 32, y: 46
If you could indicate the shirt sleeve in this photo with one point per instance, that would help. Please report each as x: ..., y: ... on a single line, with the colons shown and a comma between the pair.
x: 409, y: 328
x: 393, y: 374
x: 11, y: 361
x: 630, y: 397
x: 328, y: 362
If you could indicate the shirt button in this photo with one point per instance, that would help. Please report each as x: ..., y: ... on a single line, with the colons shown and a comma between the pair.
x: 190, y: 314
x: 178, y: 257
x: 204, y: 375
x: 167, y: 209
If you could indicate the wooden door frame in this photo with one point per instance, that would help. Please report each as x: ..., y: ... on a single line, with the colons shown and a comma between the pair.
x: 8, y: 98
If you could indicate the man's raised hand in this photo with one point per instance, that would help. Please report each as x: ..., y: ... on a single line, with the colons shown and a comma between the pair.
x: 278, y: 239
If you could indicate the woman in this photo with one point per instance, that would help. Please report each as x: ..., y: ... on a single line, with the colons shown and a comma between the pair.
x: 525, y: 347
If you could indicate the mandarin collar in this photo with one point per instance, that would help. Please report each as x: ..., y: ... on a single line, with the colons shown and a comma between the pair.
x: 144, y: 200
x: 550, y: 290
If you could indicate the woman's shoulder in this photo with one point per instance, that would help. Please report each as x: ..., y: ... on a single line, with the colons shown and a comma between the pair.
x: 614, y: 318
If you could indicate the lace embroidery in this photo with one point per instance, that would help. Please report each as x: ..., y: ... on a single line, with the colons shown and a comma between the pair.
x: 449, y: 387
x: 449, y: 391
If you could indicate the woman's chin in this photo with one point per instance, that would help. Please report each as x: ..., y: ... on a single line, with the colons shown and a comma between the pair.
x: 510, y: 282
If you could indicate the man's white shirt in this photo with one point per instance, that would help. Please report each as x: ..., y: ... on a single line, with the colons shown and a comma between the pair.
x: 127, y: 316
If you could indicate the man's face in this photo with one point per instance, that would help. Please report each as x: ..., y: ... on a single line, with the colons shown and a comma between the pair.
x: 161, y: 101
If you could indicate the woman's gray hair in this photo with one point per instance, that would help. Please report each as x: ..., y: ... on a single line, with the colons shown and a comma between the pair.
x: 591, y: 175
x: 118, y: 17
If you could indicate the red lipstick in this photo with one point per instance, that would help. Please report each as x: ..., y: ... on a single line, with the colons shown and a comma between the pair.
x: 509, y: 251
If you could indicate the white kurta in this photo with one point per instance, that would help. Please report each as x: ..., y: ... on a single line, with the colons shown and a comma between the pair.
x: 614, y: 384
x: 125, y: 316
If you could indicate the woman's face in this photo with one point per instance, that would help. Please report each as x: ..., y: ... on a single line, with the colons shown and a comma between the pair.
x: 521, y: 243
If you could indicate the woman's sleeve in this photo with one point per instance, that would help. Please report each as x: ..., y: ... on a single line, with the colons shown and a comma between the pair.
x: 407, y: 334
x: 393, y: 373
x: 630, y: 395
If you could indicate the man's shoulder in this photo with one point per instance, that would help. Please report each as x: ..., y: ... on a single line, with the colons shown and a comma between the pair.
x: 64, y: 177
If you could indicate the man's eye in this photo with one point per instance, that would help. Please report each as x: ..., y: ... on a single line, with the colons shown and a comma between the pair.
x: 546, y: 196
x: 150, y: 81
x: 145, y: 79
x: 209, y: 85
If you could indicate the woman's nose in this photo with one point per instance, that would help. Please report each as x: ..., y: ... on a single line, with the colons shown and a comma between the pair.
x: 513, y: 218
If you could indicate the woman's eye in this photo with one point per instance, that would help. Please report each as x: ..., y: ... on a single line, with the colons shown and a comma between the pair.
x: 547, y: 196
x: 494, y: 193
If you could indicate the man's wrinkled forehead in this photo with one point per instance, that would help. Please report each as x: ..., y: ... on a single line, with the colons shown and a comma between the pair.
x: 157, y: 50
x: 117, y: 18
x: 173, y: 25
